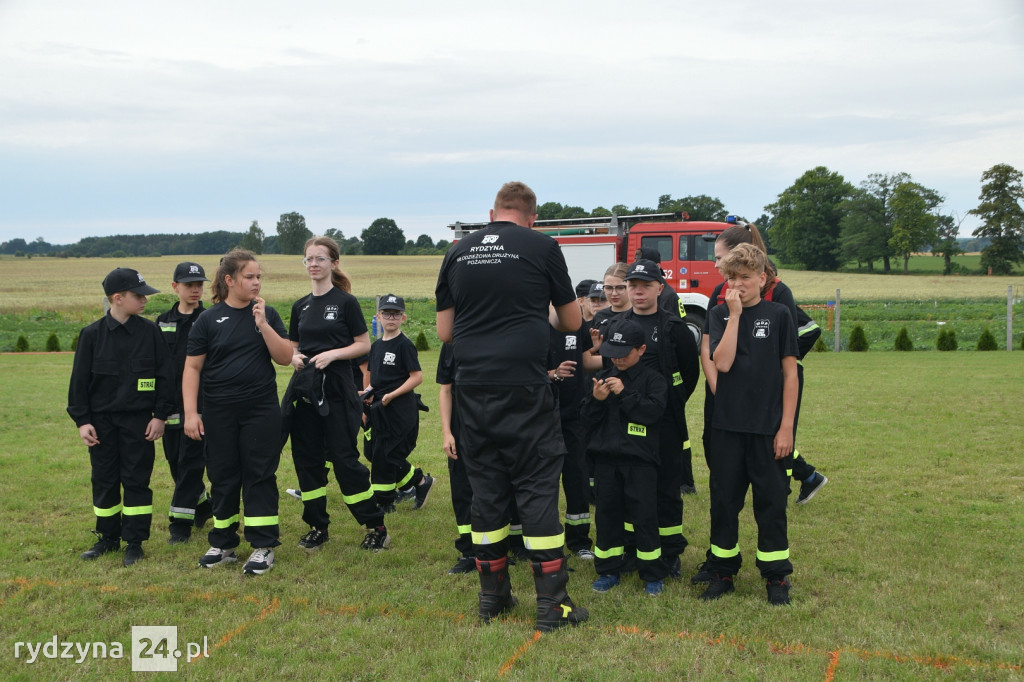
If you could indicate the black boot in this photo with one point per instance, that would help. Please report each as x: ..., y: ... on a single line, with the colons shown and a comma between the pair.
x: 104, y: 545
x: 495, y: 589
x: 554, y: 607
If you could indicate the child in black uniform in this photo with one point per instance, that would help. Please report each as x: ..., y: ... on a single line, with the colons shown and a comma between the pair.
x: 753, y: 346
x: 190, y: 505
x: 622, y: 413
x: 121, y: 392
x: 394, y: 420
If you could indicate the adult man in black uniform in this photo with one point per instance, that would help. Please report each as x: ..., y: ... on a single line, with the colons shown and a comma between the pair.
x: 672, y: 351
x: 493, y: 296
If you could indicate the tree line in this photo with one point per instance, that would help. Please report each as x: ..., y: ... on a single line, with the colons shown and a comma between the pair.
x: 820, y: 222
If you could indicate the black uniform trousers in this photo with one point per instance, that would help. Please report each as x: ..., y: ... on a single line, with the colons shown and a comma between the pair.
x: 802, y: 469
x: 670, y: 477
x: 576, y: 485
x: 391, y: 438
x: 123, y: 459
x: 317, y: 440
x: 741, y: 461
x: 187, y: 462
x: 511, y: 442
x: 462, y: 503
x: 624, y: 492
x: 243, y: 450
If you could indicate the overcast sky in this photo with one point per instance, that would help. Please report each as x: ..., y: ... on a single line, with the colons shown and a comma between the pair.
x: 140, y: 117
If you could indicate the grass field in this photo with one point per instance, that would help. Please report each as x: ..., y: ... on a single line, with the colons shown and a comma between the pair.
x: 907, y: 563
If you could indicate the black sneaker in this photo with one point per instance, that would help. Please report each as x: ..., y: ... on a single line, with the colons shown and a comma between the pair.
x: 675, y: 567
x: 376, y: 539
x: 314, y: 539
x: 810, y: 487
x: 423, y: 491
x: 403, y: 495
x: 720, y: 585
x: 133, y: 554
x: 465, y: 564
x: 103, y: 546
x: 703, y: 575
x: 217, y: 557
x: 178, y: 539
x: 778, y: 591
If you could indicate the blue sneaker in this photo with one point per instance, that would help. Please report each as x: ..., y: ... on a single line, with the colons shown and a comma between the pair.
x: 605, y: 582
x: 654, y: 588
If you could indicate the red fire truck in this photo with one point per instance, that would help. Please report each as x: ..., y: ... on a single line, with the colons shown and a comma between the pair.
x: 687, y: 250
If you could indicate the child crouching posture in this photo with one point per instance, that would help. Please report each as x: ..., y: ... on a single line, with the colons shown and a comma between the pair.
x: 753, y: 346
x: 622, y: 414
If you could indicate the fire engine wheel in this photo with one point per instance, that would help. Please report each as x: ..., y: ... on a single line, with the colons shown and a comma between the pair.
x: 695, y: 322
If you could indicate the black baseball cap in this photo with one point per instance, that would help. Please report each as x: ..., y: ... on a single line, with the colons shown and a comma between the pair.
x: 650, y: 253
x: 597, y: 291
x: 189, y: 272
x: 644, y: 269
x: 622, y: 337
x: 126, y: 279
x: 391, y: 302
x: 583, y: 288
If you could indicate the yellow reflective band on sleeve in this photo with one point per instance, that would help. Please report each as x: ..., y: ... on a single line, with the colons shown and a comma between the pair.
x: 608, y: 553
x: 628, y: 526
x: 173, y: 421
x: 358, y: 497
x: 408, y: 477
x: 168, y: 327
x: 224, y: 523
x: 649, y: 556
x: 464, y: 529
x: 544, y: 541
x: 490, y: 537
x: 147, y: 384
x: 725, y: 553
x: 314, y: 494
x: 138, y: 511
x: 677, y: 378
x: 259, y: 520
x: 368, y: 434
x: 670, y: 530
x: 809, y: 327
x: 110, y: 511
x: 636, y: 430
x: 382, y: 487
x: 773, y: 556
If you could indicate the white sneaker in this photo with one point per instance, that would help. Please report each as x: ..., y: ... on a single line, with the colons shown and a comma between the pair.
x: 585, y: 554
x: 294, y: 492
x: 217, y: 557
x: 260, y: 561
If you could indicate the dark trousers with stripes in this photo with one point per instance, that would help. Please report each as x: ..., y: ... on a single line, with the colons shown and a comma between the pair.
x: 243, y: 450
x: 187, y: 461
x: 123, y: 459
x: 576, y: 486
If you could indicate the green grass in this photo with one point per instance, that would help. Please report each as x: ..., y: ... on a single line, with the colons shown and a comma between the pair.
x: 907, y: 563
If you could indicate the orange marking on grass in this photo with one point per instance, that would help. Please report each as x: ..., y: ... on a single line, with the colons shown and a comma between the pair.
x: 507, y: 665
x: 833, y: 665
x: 270, y: 608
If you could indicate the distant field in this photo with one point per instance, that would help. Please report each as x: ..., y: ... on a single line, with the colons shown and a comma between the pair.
x: 74, y: 283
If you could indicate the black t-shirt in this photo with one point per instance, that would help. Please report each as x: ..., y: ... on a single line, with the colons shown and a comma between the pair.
x: 499, y: 280
x: 570, y: 346
x: 649, y: 325
x: 391, y: 362
x: 602, y: 317
x: 174, y: 328
x: 238, y: 365
x: 323, y: 323
x: 748, y: 398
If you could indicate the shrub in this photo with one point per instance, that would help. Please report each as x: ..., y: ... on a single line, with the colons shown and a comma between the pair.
x: 946, y: 340
x: 986, y: 341
x: 858, y: 340
x: 74, y: 344
x: 819, y: 346
x: 21, y: 345
x: 421, y: 341
x: 52, y: 343
x: 903, y: 341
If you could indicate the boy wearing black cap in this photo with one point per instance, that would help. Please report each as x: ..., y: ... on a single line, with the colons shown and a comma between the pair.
x: 394, y: 422
x: 623, y: 412
x: 120, y: 393
x: 671, y: 351
x: 190, y: 505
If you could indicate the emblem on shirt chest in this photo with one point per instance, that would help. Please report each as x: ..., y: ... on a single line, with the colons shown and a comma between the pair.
x: 761, y: 328
x: 389, y: 359
x: 570, y: 343
x: 330, y: 312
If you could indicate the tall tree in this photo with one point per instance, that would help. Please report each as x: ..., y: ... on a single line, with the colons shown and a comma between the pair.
x: 424, y: 242
x: 383, y: 237
x: 549, y: 210
x: 697, y: 207
x: 946, y: 243
x: 863, y: 230
x: 805, y: 219
x: 1002, y: 218
x: 913, y: 226
x: 253, y: 239
x: 292, y: 233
